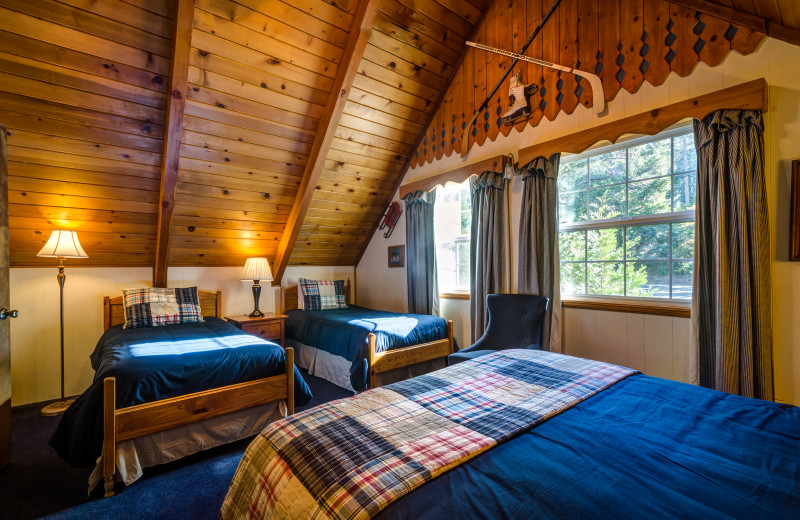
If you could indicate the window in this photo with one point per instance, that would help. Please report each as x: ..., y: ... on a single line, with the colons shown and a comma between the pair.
x: 626, y: 218
x: 452, y: 224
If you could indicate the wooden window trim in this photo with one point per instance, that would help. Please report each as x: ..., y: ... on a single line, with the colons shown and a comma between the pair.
x: 454, y: 296
x: 747, y: 96
x: 653, y: 308
x: 458, y: 175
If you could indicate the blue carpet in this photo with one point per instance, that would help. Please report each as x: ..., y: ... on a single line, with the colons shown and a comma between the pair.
x: 38, y: 483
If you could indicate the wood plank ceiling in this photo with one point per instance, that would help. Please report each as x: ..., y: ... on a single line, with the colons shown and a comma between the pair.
x: 83, y: 91
x: 84, y: 88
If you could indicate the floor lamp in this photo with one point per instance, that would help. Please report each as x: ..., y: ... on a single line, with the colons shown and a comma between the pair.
x: 62, y: 244
x: 256, y: 270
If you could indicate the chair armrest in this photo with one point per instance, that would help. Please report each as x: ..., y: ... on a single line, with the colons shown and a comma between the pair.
x: 481, y: 344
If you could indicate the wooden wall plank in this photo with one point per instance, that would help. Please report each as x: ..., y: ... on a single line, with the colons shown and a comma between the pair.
x: 716, y: 45
x: 656, y: 19
x: 550, y: 52
x: 588, y: 44
x: 505, y: 23
x: 686, y: 57
x: 631, y: 32
x: 568, y: 34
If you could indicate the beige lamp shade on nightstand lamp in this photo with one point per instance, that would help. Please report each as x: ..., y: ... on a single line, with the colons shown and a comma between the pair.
x: 256, y: 269
x: 61, y: 244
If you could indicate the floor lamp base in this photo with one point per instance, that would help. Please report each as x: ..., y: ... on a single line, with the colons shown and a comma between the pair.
x: 58, y: 407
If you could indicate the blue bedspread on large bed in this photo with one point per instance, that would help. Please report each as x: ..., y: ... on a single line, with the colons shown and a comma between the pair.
x: 156, y: 363
x: 343, y: 332
x: 644, y: 448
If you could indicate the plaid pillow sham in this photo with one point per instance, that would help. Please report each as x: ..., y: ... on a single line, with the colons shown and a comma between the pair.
x: 155, y: 307
x: 321, y: 295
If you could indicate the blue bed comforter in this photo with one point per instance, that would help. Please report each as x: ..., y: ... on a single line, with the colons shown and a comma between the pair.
x: 156, y: 363
x: 644, y: 448
x: 343, y: 332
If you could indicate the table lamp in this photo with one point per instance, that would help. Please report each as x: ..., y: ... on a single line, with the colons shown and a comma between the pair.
x: 256, y: 269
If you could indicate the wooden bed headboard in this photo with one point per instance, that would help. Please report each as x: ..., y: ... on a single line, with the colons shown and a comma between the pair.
x: 114, y: 311
x: 289, y: 297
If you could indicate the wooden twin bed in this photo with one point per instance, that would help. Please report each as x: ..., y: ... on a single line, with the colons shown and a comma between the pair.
x: 120, y: 424
x: 382, y: 362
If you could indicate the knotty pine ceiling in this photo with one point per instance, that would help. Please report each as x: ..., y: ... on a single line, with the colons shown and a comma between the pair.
x: 83, y: 93
x: 84, y: 89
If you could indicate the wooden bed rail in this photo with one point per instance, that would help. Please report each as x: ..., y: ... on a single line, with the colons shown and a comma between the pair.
x: 384, y: 361
x: 135, y: 421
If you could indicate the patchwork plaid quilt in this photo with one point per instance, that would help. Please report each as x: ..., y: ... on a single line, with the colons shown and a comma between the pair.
x: 349, y: 459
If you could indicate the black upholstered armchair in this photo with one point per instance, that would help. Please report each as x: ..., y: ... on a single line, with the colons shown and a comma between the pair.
x: 515, y: 321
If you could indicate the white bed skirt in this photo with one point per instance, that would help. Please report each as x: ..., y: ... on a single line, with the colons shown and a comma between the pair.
x: 336, y: 369
x: 158, y: 448
x: 321, y: 363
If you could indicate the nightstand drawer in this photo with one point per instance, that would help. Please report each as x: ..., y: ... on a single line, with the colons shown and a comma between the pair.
x: 269, y: 331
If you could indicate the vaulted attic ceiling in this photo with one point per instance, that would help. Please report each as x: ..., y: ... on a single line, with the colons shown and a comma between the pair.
x: 84, y: 90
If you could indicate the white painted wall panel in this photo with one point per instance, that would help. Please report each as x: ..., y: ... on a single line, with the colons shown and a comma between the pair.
x: 35, y: 334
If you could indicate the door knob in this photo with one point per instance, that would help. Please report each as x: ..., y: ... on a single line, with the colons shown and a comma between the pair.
x: 4, y: 313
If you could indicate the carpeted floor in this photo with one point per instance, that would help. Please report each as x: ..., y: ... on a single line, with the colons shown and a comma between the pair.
x: 37, y: 483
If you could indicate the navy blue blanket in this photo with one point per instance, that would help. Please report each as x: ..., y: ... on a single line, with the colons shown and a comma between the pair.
x: 644, y: 448
x: 156, y: 363
x: 343, y: 332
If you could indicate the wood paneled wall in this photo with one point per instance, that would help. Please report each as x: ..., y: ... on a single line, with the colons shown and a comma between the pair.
x: 259, y: 77
x: 413, y: 52
x: 625, y: 42
x: 83, y: 91
x: 83, y: 96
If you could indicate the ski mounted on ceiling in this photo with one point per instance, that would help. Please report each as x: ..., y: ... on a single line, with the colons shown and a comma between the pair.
x: 594, y: 81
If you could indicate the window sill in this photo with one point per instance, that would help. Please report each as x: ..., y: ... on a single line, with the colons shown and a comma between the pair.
x: 454, y: 296
x: 657, y: 308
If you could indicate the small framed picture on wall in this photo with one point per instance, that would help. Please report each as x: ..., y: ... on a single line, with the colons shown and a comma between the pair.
x: 397, y: 256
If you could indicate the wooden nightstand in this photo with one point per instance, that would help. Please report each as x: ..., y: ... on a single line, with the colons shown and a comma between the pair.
x: 269, y: 327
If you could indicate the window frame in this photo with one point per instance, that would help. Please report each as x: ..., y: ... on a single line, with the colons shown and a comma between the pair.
x: 625, y: 303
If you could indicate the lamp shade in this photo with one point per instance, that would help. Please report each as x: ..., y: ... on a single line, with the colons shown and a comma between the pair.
x: 256, y: 269
x: 63, y: 243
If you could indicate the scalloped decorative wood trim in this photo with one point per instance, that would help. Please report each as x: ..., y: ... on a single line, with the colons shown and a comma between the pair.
x: 751, y: 96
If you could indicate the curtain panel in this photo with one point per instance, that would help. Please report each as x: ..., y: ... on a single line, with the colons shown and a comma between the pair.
x: 489, y: 241
x: 538, y: 243
x: 731, y: 307
x: 421, y: 275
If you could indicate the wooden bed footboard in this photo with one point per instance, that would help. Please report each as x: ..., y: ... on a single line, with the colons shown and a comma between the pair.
x: 120, y: 424
x: 384, y: 361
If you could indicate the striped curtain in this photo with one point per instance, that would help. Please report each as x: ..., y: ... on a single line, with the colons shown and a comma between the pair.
x: 488, y: 246
x: 731, y: 307
x: 538, y: 242
x: 421, y: 277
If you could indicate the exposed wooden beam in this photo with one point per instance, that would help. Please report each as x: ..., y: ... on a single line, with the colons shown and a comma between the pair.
x: 179, y: 71
x: 744, y: 19
x: 410, y: 158
x: 747, y: 96
x: 346, y: 73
